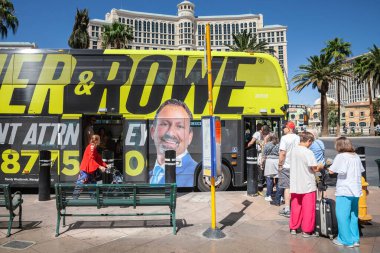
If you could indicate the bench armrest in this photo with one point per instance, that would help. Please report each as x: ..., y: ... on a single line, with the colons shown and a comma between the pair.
x: 17, y: 193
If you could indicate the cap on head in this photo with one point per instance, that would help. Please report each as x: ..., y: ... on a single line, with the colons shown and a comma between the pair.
x: 290, y: 125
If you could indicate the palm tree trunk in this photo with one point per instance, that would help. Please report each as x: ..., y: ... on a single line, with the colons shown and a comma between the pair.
x: 371, y: 129
x: 325, y: 129
x: 338, y: 100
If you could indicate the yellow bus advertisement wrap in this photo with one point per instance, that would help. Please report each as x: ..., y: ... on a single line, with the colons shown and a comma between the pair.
x: 47, y: 97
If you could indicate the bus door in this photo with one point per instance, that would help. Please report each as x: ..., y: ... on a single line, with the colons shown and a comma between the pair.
x: 110, y: 130
x: 250, y: 126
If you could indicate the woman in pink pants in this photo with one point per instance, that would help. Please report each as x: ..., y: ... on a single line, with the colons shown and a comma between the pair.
x: 303, y: 166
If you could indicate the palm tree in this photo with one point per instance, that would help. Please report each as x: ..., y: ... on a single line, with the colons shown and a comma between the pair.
x: 8, y: 20
x: 80, y: 38
x: 367, y: 68
x: 117, y: 35
x: 320, y: 73
x: 339, y: 50
x: 245, y: 42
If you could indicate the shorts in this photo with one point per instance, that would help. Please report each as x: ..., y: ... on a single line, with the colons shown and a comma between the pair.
x: 284, y: 178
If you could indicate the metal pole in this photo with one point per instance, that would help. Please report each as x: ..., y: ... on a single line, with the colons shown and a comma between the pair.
x: 44, y: 175
x: 252, y: 173
x: 211, y: 111
x: 213, y: 232
x: 209, y: 71
x: 170, y: 166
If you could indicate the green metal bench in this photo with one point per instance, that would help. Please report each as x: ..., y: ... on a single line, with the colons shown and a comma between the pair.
x: 10, y: 202
x: 121, y: 195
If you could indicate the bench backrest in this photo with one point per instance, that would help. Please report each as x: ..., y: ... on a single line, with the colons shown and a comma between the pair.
x: 101, y: 195
x: 5, y: 196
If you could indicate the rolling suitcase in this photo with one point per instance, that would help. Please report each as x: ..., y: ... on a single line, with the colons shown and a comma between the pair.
x: 325, y: 219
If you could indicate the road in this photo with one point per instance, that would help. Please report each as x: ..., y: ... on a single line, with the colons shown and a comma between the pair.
x: 372, y: 151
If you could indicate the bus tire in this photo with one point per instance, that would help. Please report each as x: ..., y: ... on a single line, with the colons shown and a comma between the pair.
x: 221, y: 183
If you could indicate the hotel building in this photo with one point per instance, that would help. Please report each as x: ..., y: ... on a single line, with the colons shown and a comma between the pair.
x: 352, y: 90
x: 186, y: 31
x: 354, y: 101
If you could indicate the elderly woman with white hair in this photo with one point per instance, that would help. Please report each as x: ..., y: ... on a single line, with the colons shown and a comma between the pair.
x: 270, y: 161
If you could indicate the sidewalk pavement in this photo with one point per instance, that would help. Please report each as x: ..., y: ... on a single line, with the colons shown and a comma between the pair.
x: 250, y: 223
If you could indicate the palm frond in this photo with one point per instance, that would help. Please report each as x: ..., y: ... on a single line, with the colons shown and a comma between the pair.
x: 117, y: 34
x: 246, y: 42
x: 8, y: 19
x: 79, y: 37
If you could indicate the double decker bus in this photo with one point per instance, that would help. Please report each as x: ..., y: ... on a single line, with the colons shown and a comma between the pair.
x: 48, y: 99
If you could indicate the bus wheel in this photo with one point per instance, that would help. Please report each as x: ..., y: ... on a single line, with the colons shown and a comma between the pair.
x: 221, y: 183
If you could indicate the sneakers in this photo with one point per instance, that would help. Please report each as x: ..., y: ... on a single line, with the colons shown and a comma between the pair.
x: 315, y: 234
x: 304, y: 234
x: 268, y: 198
x: 284, y: 213
x: 356, y: 244
x: 336, y: 242
x: 274, y: 203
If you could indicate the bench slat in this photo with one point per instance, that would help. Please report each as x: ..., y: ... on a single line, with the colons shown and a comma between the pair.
x: 123, y: 195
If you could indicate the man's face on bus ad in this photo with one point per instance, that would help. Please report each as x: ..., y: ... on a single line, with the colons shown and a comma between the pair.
x: 172, y: 130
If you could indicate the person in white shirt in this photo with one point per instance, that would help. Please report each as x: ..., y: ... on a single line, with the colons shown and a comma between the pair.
x: 258, y: 138
x: 348, y: 190
x: 303, y: 186
x: 287, y: 143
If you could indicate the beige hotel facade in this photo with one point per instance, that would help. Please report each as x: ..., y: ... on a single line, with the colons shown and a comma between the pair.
x: 186, y: 31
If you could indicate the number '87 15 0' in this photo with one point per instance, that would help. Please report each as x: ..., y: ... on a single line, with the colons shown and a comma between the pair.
x: 26, y: 161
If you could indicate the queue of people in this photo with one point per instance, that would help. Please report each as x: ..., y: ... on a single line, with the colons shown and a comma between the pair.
x: 292, y: 167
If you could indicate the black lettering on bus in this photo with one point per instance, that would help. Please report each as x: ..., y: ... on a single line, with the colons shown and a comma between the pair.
x: 4, y: 66
x: 49, y: 89
x: 28, y: 74
x: 158, y: 86
x: 93, y: 75
x: 182, y: 83
x: 229, y: 84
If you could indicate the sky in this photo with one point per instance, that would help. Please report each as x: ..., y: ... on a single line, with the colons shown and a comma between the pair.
x: 48, y: 23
